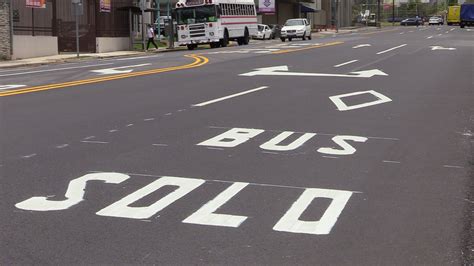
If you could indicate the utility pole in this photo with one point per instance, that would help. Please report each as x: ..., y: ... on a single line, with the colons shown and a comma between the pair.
x: 378, y: 14
x: 142, y: 8
x: 77, y: 8
x: 393, y: 12
x: 171, y: 26
x: 11, y: 27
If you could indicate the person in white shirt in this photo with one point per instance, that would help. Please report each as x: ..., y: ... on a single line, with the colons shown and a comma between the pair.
x: 151, y: 37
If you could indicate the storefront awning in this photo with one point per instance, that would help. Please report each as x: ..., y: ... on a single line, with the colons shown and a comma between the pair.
x: 308, y: 7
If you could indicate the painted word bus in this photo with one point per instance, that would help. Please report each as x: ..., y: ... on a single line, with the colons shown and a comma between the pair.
x: 215, y: 22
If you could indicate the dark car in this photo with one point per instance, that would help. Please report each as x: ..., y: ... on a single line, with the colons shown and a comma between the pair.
x: 412, y: 22
x: 276, y: 29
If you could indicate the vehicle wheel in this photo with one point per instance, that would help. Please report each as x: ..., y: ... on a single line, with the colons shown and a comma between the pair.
x: 246, y: 38
x: 289, y: 39
x: 304, y: 37
x: 283, y: 39
x: 462, y: 25
x: 215, y: 45
x: 309, y: 36
x: 191, y: 46
x: 225, y: 40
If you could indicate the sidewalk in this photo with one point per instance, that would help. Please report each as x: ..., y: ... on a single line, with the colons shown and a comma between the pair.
x: 345, y: 30
x: 72, y: 57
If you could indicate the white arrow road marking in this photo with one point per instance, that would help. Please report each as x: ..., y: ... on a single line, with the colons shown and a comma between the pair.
x: 283, y: 71
x: 342, y: 106
x: 361, y: 45
x: 433, y: 48
x: 7, y: 87
x: 391, y: 49
x: 346, y: 63
x: 109, y: 71
x: 469, y: 30
x: 230, y: 96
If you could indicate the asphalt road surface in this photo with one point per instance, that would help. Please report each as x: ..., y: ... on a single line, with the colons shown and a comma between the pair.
x: 353, y: 149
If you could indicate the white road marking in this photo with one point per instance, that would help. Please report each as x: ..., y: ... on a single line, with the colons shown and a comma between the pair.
x: 453, y: 166
x: 274, y: 143
x: 29, y: 156
x: 129, y: 125
x: 206, y: 214
x: 211, y: 148
x: 451, y: 29
x: 140, y: 57
x: 410, y: 31
x: 167, y: 114
x: 94, y: 142
x: 110, y: 71
x: 429, y: 37
x: 391, y: 49
x: 283, y: 71
x: 62, y: 146
x: 113, y: 130
x: 390, y: 161
x: 269, y: 152
x: 148, y: 119
x: 433, y: 48
x: 440, y: 34
x: 181, y: 110
x: 447, y: 31
x: 290, y: 222
x: 11, y: 86
x: 90, y: 137
x: 346, y: 63
x: 361, y: 45
x: 160, y: 145
x: 402, y: 32
x: 330, y: 157
x: 342, y: 106
x: 230, y: 96
x: 52, y: 70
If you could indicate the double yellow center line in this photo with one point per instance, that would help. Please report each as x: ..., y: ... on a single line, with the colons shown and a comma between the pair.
x: 198, y: 61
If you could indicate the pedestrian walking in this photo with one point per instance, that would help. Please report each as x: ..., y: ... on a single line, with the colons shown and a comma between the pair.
x: 151, y: 37
x: 417, y: 20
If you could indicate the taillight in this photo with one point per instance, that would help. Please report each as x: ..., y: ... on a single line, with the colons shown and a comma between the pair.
x: 210, y: 25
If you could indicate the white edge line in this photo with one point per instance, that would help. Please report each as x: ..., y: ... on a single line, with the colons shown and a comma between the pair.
x: 390, y: 161
x: 55, y: 69
x: 346, y: 63
x: 453, y: 166
x: 229, y: 96
x: 391, y: 49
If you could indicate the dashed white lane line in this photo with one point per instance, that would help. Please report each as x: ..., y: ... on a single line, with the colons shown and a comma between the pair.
x: 181, y: 110
x: 29, y: 156
x: 160, y: 145
x: 149, y: 119
x: 451, y: 29
x: 346, y: 63
x: 391, y: 49
x: 447, y: 31
x: 223, y: 181
x: 440, y: 34
x: 113, y: 130
x: 230, y: 96
x: 429, y: 37
x: 51, y: 70
x: 88, y: 138
x: 330, y: 157
x: 62, y: 146
x: 390, y: 161
x: 94, y: 142
x: 453, y: 166
x: 402, y: 32
x: 210, y: 148
x: 168, y: 114
x: 129, y: 125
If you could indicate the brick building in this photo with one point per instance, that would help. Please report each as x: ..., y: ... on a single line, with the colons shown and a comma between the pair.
x: 5, y: 30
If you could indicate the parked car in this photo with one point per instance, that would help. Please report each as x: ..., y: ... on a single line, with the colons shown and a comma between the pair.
x: 263, y: 32
x: 296, y: 28
x: 276, y: 30
x: 412, y: 22
x: 436, y: 20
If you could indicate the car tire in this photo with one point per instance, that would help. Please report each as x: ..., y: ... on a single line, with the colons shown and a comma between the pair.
x: 304, y: 37
x: 283, y: 39
x: 191, y: 47
x: 289, y: 39
x: 309, y: 36
x: 246, y: 38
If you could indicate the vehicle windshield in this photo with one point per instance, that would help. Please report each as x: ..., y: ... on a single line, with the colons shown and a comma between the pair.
x: 260, y: 27
x: 199, y: 14
x: 295, y: 22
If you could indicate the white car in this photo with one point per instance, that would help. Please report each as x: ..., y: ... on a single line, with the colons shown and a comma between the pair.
x: 263, y: 32
x: 296, y: 28
x: 436, y: 20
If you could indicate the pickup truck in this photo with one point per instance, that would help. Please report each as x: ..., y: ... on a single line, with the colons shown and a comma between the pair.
x: 467, y: 15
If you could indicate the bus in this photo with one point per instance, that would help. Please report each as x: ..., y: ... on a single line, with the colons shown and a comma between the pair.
x: 215, y: 22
